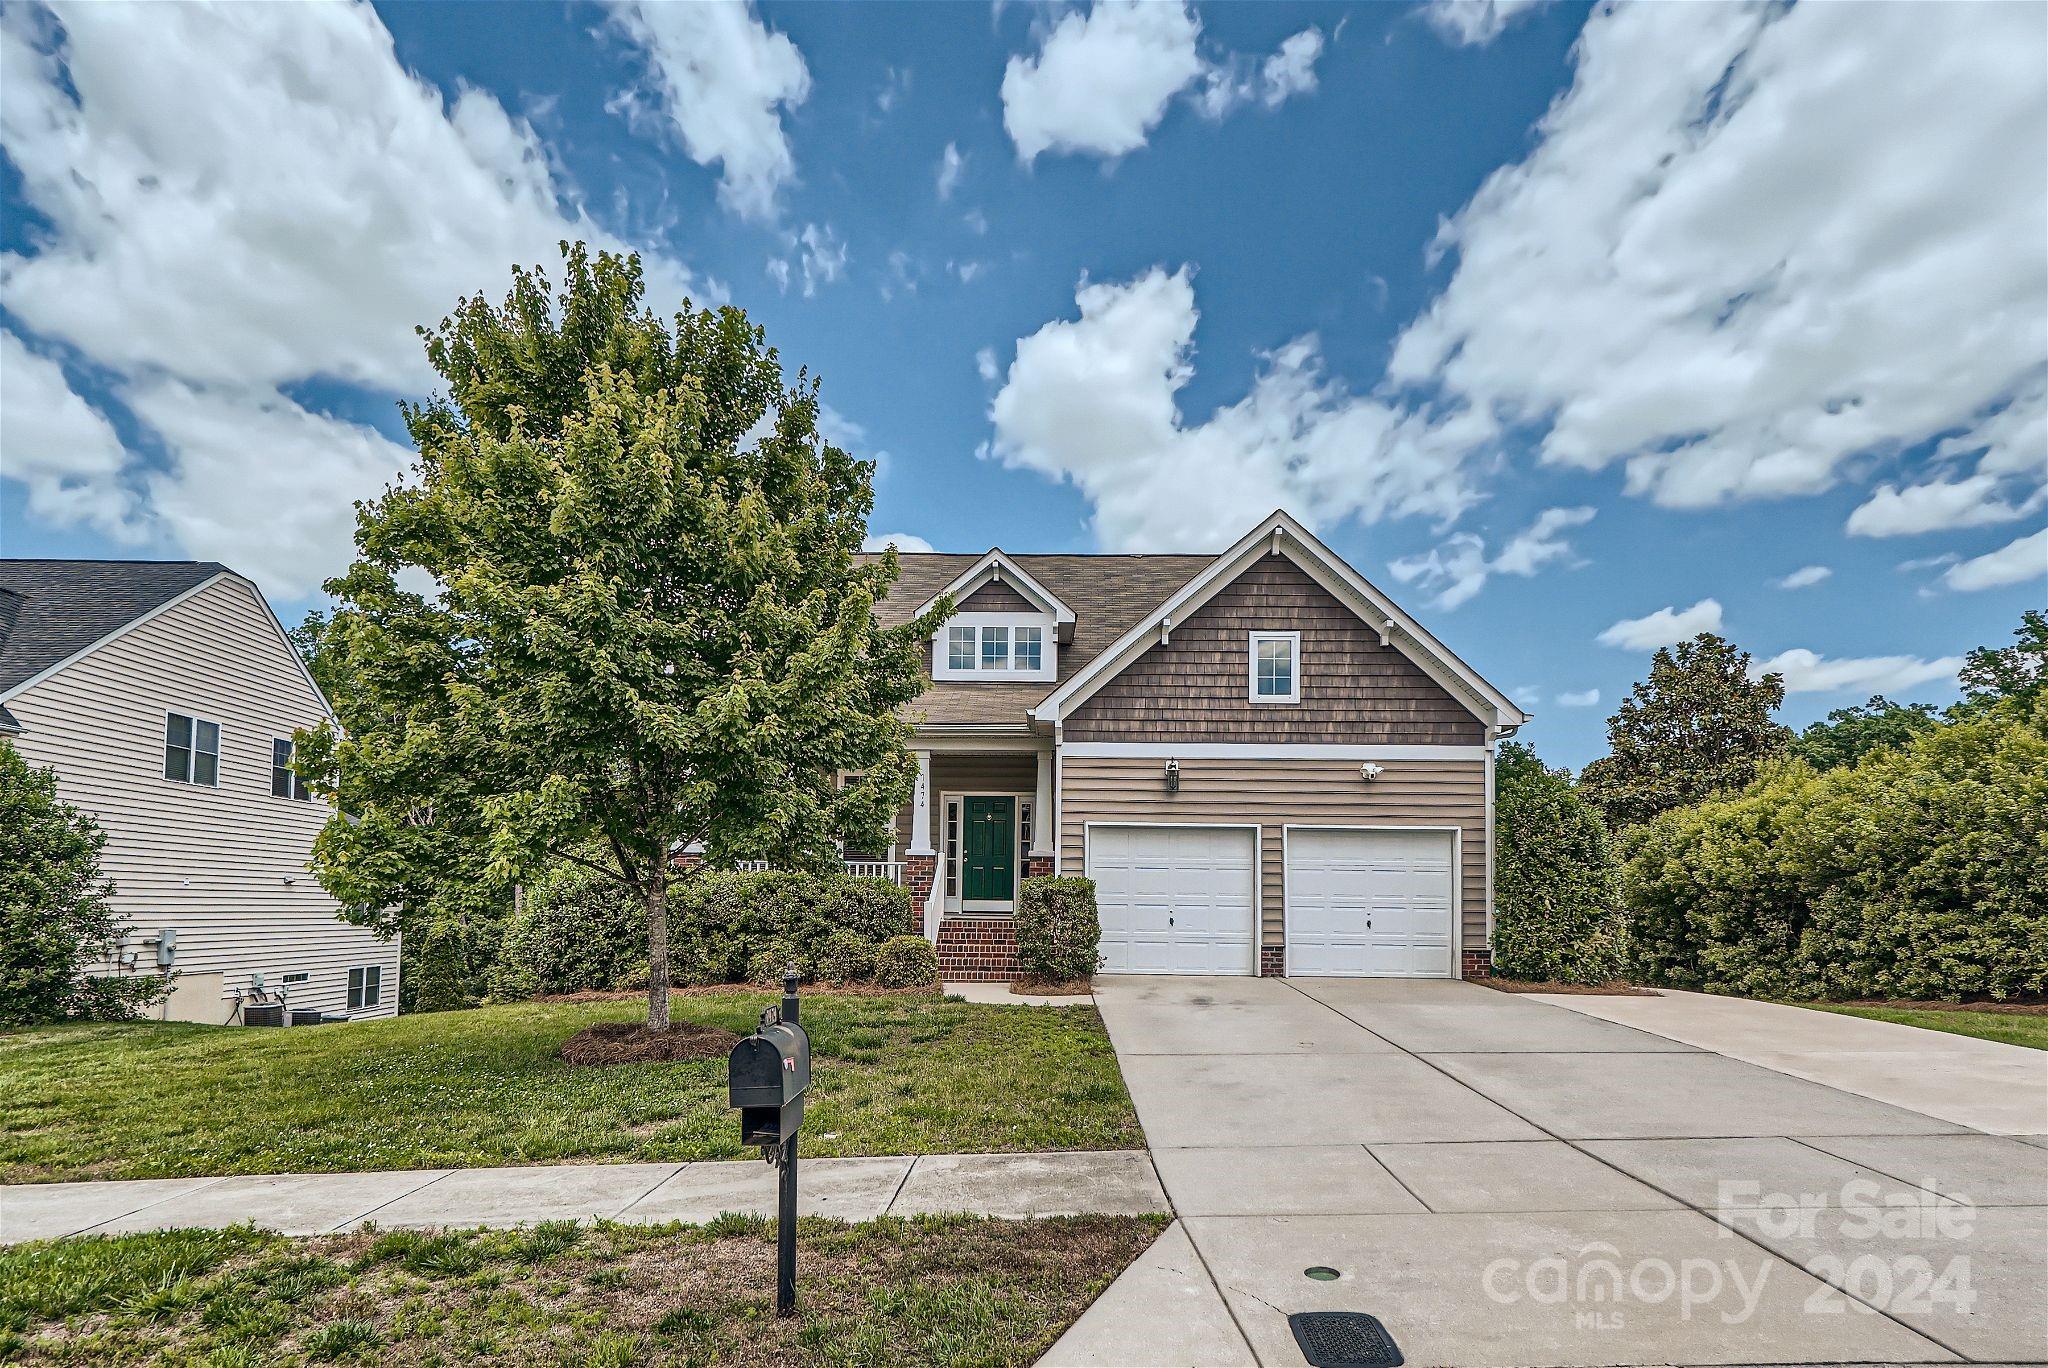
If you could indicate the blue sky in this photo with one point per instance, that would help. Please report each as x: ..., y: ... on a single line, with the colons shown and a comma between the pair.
x: 1576, y: 330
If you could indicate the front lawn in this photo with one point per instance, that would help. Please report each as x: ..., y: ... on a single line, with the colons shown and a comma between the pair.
x: 963, y: 1290
x: 2011, y: 1028
x: 891, y: 1075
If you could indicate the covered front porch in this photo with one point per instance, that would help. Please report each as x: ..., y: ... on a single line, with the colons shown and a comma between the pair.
x: 980, y: 821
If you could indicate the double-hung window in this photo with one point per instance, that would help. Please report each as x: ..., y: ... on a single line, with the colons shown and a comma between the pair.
x: 1276, y: 667
x: 191, y: 750
x: 284, y: 783
x: 365, y: 986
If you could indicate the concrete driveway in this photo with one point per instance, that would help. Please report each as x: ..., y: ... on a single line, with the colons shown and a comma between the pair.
x: 1503, y: 1181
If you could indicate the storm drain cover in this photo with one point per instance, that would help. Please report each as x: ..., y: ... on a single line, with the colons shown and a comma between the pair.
x: 1344, y: 1339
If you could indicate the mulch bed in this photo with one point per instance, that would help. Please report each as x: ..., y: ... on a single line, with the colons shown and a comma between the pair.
x: 1616, y: 989
x: 1048, y: 988
x: 630, y: 1042
x: 2007, y: 1007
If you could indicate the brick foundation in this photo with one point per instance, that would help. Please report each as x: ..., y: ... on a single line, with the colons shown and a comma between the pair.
x: 918, y: 873
x: 978, y: 949
x: 1038, y: 866
x: 1272, y: 961
x: 1477, y: 964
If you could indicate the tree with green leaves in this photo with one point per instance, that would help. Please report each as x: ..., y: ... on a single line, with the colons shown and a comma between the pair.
x: 1851, y: 733
x: 1699, y: 725
x: 651, y: 628
x: 2018, y: 672
x: 55, y: 918
x: 1557, y: 880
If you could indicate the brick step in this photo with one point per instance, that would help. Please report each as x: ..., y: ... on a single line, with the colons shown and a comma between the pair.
x: 978, y: 949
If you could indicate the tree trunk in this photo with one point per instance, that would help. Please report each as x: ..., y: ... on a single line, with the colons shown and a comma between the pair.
x: 657, y: 951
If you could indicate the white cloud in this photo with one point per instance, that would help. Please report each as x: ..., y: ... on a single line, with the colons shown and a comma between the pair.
x: 1665, y: 627
x: 895, y: 85
x: 62, y: 450
x: 902, y: 541
x: 1585, y: 698
x: 725, y: 81
x: 1789, y: 253
x: 222, y: 217
x: 952, y: 163
x: 816, y: 255
x: 985, y: 364
x: 1459, y: 568
x: 2017, y: 562
x: 1101, y: 81
x: 976, y: 221
x: 1933, y: 507
x: 1805, y: 577
x: 1237, y: 80
x: 1093, y: 400
x: 1806, y: 672
x: 1469, y: 23
x: 289, y: 517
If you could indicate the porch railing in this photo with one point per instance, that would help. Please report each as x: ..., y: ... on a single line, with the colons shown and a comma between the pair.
x: 889, y: 870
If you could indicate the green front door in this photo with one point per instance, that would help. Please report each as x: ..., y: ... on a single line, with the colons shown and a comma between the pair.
x: 988, y: 850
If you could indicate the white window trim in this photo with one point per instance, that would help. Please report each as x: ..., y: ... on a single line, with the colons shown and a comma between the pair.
x: 1293, y: 640
x: 220, y: 745
x: 365, y: 970
x: 299, y: 792
x: 1048, y: 648
x: 955, y: 902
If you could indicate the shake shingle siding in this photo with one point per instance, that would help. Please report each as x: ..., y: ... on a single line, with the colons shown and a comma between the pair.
x: 1353, y: 690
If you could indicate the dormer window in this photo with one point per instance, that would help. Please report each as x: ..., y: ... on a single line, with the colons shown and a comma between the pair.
x: 994, y: 646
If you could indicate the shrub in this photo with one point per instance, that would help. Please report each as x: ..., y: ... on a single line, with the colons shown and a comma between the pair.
x: 576, y: 931
x: 767, y: 965
x: 1918, y: 871
x: 906, y: 962
x: 719, y: 922
x: 54, y: 914
x: 1058, y: 930
x: 844, y: 957
x: 1557, y: 895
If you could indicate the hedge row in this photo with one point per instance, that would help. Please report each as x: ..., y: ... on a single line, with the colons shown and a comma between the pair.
x: 578, y: 932
x: 1918, y: 872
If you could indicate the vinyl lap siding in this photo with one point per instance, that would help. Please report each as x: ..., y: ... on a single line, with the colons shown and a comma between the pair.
x: 211, y: 862
x: 1275, y: 793
x: 1353, y: 689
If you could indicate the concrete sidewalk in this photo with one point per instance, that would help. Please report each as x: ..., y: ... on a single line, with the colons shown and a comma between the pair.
x: 1113, y: 1182
x: 1998, y: 1088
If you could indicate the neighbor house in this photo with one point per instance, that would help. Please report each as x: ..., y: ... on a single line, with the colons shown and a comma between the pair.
x: 1265, y: 764
x: 164, y: 694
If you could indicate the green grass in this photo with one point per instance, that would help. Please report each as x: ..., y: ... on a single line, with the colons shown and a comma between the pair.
x: 952, y: 1290
x: 890, y: 1075
x: 2011, y: 1028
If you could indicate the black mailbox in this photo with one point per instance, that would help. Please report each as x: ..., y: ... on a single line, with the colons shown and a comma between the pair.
x: 769, y: 1073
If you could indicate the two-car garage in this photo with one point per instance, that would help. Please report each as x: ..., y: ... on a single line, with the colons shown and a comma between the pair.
x: 1377, y: 902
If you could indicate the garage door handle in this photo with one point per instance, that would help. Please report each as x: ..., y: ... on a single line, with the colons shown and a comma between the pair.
x: 1169, y: 919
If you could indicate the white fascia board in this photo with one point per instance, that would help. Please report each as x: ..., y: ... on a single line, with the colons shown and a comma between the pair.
x: 984, y: 570
x: 1264, y: 750
x: 1327, y: 569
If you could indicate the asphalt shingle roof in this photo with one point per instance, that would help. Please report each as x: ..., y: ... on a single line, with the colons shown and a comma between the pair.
x: 52, y: 609
x: 1109, y: 595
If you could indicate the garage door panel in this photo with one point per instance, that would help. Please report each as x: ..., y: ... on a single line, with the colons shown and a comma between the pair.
x: 1371, y: 903
x: 1176, y: 900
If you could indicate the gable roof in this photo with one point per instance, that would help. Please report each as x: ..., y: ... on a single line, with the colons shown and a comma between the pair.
x: 990, y: 568
x: 1120, y: 603
x: 1106, y: 593
x: 61, y: 608
x: 1281, y: 534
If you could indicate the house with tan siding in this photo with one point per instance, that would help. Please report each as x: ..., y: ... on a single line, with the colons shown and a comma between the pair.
x: 1266, y: 765
x: 164, y: 695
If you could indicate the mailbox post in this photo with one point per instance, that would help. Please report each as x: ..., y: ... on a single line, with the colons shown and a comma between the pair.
x: 769, y: 1072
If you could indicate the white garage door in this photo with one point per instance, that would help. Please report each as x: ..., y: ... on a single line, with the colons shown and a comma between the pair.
x: 1371, y: 904
x: 1176, y: 900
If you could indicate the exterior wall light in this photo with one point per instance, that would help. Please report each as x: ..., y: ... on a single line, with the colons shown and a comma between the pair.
x: 1173, y: 776
x: 1369, y: 771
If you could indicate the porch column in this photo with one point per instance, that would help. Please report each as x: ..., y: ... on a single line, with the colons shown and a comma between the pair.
x: 920, y: 862
x: 921, y: 807
x: 1042, y: 835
